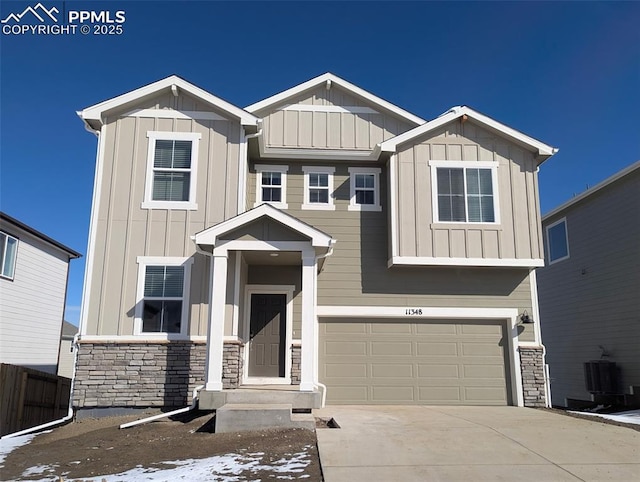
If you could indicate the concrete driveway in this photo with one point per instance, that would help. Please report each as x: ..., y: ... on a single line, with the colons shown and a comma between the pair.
x: 403, y: 443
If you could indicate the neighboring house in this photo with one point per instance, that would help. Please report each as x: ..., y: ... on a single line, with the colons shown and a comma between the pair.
x: 590, y: 291
x: 319, y: 236
x: 33, y: 292
x: 66, y: 357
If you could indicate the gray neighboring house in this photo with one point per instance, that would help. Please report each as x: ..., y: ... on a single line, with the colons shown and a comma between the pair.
x: 590, y: 292
x: 319, y: 237
x: 33, y: 292
x: 67, y: 350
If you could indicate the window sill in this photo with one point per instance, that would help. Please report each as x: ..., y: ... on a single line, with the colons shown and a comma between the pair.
x: 445, y: 225
x: 275, y: 205
x: 176, y: 206
x: 364, y: 207
x: 319, y: 207
x: 557, y: 260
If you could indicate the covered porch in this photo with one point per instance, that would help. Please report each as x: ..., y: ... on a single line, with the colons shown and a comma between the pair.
x: 262, y: 338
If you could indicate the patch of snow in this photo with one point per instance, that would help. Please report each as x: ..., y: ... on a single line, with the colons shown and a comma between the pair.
x: 8, y: 445
x: 39, y: 470
x: 632, y: 416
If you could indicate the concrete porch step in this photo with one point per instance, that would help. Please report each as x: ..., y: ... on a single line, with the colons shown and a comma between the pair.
x: 298, y: 400
x: 245, y: 416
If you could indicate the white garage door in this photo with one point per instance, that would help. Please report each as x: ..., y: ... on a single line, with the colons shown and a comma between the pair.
x: 425, y: 362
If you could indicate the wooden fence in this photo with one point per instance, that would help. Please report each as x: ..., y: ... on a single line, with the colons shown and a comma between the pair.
x: 30, y: 397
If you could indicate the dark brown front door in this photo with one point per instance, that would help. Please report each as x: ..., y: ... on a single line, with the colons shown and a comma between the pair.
x: 267, y: 338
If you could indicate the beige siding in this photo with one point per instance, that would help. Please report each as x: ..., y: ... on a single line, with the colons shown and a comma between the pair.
x: 311, y: 129
x: 357, y: 272
x: 517, y: 236
x: 125, y: 230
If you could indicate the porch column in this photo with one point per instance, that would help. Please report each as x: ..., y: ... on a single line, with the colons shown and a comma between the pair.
x: 309, y: 319
x: 215, y: 332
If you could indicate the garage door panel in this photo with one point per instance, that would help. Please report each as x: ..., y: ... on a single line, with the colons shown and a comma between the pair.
x: 392, y: 394
x: 394, y: 370
x: 433, y: 349
x: 435, y: 329
x: 422, y: 362
x: 439, y: 394
x: 390, y: 348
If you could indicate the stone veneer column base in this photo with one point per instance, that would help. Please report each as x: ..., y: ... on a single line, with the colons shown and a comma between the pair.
x: 146, y: 374
x: 533, y: 382
x: 296, y: 356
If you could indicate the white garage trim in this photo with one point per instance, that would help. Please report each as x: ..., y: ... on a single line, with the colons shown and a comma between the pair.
x: 510, y: 315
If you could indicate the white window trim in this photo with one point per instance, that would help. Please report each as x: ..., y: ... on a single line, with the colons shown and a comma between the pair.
x: 376, y: 201
x: 4, y: 257
x: 307, y: 170
x: 434, y: 165
x: 260, y: 168
x: 143, y: 262
x: 566, y: 240
x: 189, y: 205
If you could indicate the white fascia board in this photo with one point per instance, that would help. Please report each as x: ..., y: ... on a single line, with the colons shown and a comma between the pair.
x: 315, y: 154
x: 95, y: 112
x: 456, y: 112
x: 471, y: 262
x: 322, y: 79
x: 209, y: 236
x: 593, y: 190
x: 400, y: 312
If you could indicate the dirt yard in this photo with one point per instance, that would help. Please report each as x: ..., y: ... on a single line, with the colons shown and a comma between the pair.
x: 89, y: 449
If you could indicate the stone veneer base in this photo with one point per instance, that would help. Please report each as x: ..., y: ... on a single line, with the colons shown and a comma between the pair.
x: 533, y: 376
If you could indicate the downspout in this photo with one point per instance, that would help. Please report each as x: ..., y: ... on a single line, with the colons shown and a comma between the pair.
x: 69, y: 414
x: 194, y: 404
x: 316, y: 382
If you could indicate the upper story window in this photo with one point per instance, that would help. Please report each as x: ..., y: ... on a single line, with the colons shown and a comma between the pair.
x: 464, y: 192
x: 318, y: 187
x: 8, y: 252
x: 557, y: 241
x: 163, y: 295
x: 171, y: 170
x: 365, y: 189
x: 271, y: 185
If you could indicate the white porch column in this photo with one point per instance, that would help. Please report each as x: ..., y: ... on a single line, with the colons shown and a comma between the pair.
x: 215, y: 332
x: 309, y: 320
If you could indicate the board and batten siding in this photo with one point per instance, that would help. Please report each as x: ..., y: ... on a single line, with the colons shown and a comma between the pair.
x: 309, y: 127
x: 32, y: 305
x: 125, y: 230
x: 517, y: 236
x: 356, y: 274
x: 592, y: 298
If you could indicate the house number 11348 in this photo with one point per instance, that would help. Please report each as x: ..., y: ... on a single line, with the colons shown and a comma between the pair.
x: 413, y: 311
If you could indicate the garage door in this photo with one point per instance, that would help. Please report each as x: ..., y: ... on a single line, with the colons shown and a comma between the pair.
x: 426, y: 362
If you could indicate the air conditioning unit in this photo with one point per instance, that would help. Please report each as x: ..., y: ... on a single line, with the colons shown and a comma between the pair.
x: 600, y: 377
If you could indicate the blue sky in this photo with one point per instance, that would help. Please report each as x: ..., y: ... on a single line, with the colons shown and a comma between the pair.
x: 565, y: 73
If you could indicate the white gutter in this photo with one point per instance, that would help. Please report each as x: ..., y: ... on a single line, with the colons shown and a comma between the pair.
x: 69, y: 414
x: 194, y: 404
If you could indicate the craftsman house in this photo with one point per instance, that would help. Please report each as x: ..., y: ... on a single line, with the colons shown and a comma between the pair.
x: 322, y: 237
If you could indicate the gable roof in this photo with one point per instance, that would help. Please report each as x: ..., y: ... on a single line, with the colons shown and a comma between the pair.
x: 348, y: 86
x: 610, y: 180
x: 68, y: 330
x: 5, y: 218
x: 544, y: 151
x: 93, y: 115
x: 210, y: 236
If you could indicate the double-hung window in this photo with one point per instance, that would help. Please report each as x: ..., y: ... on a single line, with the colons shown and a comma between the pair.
x: 365, y: 189
x: 271, y: 185
x: 8, y: 252
x: 465, y: 192
x: 557, y: 241
x: 171, y: 170
x: 163, y: 294
x: 318, y: 187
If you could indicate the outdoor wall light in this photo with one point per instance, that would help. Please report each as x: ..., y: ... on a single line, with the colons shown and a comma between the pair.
x: 525, y: 318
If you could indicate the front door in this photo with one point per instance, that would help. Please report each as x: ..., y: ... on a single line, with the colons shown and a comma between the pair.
x: 267, y: 335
